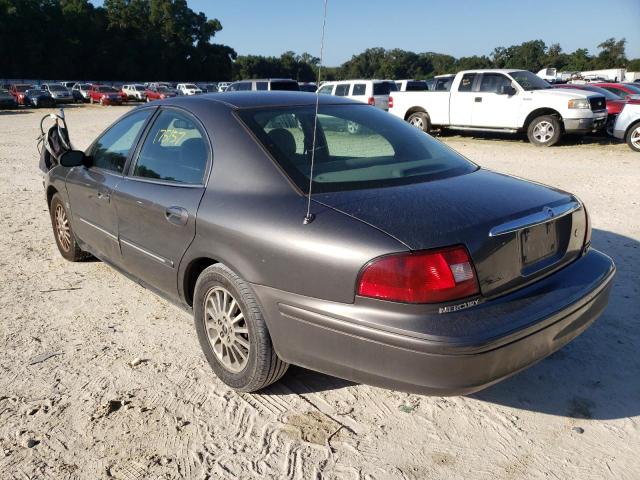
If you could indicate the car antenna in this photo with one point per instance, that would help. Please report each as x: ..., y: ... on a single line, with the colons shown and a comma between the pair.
x: 310, y: 216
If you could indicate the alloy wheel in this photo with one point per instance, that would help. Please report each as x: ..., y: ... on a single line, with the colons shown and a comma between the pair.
x: 226, y: 329
x: 417, y: 122
x: 635, y: 138
x: 543, y: 131
x: 62, y: 228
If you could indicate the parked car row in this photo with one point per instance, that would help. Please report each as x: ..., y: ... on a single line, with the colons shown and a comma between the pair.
x: 497, y: 100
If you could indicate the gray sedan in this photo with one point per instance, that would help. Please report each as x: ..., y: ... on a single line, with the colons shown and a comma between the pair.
x: 415, y: 269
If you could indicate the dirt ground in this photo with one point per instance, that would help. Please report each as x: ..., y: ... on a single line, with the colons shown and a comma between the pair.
x: 100, y: 378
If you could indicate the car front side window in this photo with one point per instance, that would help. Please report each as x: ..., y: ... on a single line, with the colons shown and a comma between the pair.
x: 175, y: 150
x: 110, y: 151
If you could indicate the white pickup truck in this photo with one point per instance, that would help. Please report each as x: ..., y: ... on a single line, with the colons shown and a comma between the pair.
x: 503, y: 101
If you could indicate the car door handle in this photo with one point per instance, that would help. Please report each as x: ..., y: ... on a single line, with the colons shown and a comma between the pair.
x: 176, y: 215
x: 478, y: 99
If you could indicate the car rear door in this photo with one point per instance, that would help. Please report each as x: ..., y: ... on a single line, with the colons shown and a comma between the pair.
x: 491, y: 108
x: 158, y: 199
x: 90, y: 189
x: 461, y: 100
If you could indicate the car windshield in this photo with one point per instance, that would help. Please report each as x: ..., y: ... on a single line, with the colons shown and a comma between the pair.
x: 357, y: 147
x: 139, y: 88
x: 56, y: 88
x: 84, y: 86
x: 529, y: 81
x: 21, y: 88
x: 107, y: 89
x: 162, y: 89
x: 634, y: 88
x: 190, y: 85
x: 602, y: 91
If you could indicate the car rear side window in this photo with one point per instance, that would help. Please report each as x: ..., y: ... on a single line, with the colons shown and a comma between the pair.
x: 262, y: 86
x: 174, y: 150
x: 359, y: 89
x: 111, y: 150
x: 356, y: 147
x: 466, y: 84
x: 342, y: 90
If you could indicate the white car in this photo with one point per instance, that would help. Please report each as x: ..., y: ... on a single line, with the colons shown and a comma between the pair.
x: 504, y: 100
x: 188, y: 89
x: 373, y: 92
x: 135, y: 91
x: 627, y: 126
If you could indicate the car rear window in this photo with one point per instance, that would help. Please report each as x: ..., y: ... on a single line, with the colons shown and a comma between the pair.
x: 383, y: 88
x: 284, y: 85
x: 357, y: 147
x: 417, y: 86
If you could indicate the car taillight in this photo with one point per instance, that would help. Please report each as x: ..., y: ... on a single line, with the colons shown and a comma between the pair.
x: 431, y: 276
x: 371, y: 101
x: 390, y: 101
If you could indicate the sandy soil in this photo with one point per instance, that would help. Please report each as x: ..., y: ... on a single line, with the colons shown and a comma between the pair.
x: 101, y: 379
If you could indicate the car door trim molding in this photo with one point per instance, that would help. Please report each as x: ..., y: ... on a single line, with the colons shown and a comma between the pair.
x: 537, y: 218
x: 158, y: 258
x: 100, y: 229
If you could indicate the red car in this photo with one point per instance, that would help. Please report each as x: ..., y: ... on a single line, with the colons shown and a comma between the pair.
x: 18, y: 90
x: 615, y: 103
x: 623, y: 90
x: 104, y: 95
x: 159, y: 92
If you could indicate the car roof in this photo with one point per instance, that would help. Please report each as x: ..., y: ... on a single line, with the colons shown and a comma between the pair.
x: 261, y: 99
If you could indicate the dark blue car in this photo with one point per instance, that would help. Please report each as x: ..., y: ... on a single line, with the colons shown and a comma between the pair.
x: 38, y: 98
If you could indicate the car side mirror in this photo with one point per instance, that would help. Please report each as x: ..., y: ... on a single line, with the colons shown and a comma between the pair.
x: 507, y: 90
x: 73, y: 158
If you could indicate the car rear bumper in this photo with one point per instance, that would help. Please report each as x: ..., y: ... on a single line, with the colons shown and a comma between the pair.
x: 448, y: 354
x: 585, y: 125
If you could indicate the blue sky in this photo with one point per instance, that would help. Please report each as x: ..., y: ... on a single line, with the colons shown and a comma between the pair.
x: 459, y: 28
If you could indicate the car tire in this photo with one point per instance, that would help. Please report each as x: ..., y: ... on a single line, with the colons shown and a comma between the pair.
x: 421, y: 121
x: 633, y: 137
x: 239, y: 350
x: 544, y: 131
x: 63, y: 233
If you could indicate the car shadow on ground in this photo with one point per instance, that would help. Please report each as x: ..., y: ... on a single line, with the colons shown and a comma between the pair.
x: 598, y: 374
x: 15, y: 112
x: 595, y: 376
x: 567, y: 140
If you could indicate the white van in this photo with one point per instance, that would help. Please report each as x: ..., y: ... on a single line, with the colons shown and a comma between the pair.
x: 373, y: 92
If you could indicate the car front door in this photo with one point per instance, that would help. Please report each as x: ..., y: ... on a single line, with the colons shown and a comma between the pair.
x: 491, y: 108
x: 158, y: 199
x: 90, y: 189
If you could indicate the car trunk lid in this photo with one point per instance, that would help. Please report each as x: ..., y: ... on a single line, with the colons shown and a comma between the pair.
x: 516, y: 231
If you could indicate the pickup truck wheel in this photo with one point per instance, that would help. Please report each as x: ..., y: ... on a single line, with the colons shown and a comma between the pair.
x: 633, y: 137
x: 544, y: 131
x: 420, y: 120
x: 65, y: 239
x: 232, y: 331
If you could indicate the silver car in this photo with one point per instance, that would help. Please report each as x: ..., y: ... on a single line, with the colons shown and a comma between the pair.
x: 627, y: 125
x: 58, y: 92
